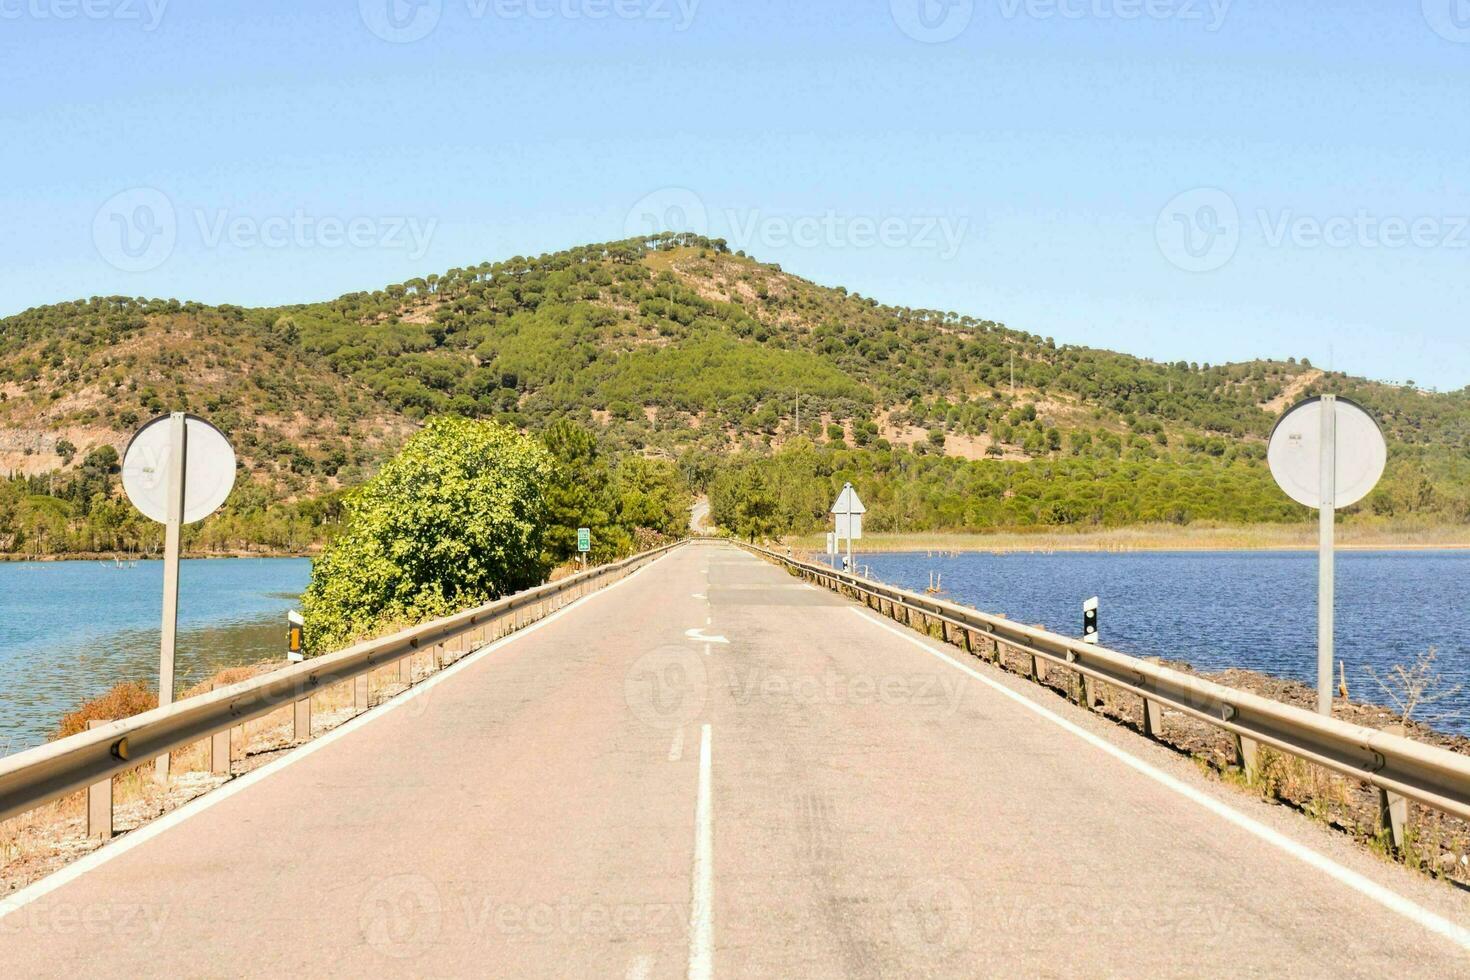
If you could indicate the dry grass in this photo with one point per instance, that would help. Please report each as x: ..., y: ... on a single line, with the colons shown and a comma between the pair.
x: 1164, y: 537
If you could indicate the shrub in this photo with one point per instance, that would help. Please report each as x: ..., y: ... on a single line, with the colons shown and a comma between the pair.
x: 454, y: 520
x: 126, y: 699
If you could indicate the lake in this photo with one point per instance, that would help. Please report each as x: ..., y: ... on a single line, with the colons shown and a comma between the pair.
x: 1256, y: 610
x: 70, y: 630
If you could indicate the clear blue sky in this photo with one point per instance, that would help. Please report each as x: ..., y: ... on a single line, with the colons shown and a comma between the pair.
x: 1052, y: 141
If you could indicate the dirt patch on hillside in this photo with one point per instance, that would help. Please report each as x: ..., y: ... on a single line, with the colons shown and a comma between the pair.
x: 1292, y: 392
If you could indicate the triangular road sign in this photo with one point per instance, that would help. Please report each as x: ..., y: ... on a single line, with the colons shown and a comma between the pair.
x: 848, y: 502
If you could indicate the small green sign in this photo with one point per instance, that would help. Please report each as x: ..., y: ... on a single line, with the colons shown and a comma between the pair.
x: 584, y: 539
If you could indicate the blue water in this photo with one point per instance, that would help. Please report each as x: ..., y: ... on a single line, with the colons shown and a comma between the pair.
x: 1215, y: 610
x: 70, y: 630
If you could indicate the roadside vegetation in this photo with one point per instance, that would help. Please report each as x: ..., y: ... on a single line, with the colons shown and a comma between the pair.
x: 471, y: 511
x: 453, y: 521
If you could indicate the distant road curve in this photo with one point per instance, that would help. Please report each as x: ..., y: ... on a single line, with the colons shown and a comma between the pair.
x: 699, y: 517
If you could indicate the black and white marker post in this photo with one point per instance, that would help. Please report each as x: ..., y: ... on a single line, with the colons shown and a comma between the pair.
x: 1089, y: 620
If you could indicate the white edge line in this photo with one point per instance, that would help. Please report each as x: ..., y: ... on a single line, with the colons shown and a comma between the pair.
x: 199, y: 804
x: 1363, y: 885
x: 701, y: 906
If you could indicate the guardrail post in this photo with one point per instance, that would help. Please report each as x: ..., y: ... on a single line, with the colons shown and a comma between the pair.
x: 302, y: 719
x: 1248, y: 755
x: 1086, y: 691
x: 1038, y: 669
x: 99, y: 801
x: 1153, y: 718
x: 360, y: 693
x: 1393, y: 813
x: 405, y: 670
x: 219, y: 750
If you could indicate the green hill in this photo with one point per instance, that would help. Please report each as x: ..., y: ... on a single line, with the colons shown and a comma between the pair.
x: 675, y: 347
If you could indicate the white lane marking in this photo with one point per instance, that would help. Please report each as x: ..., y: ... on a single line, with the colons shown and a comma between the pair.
x: 198, y: 805
x: 640, y: 968
x: 698, y: 634
x: 1365, y: 886
x: 709, y: 620
x: 698, y: 595
x: 676, y: 751
x: 701, y: 910
x: 706, y: 649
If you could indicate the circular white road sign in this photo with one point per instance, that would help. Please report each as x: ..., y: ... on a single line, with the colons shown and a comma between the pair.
x: 209, y: 469
x: 1295, y: 454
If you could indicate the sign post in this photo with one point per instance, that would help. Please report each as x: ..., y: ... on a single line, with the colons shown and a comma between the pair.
x: 1327, y: 556
x: 848, y: 511
x: 1327, y: 453
x: 178, y: 458
x: 584, y: 543
x: 177, y: 470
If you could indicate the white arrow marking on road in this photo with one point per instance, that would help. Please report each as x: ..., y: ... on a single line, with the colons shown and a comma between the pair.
x: 698, y: 634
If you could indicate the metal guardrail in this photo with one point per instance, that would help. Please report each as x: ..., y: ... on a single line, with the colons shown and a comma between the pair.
x: 37, y: 776
x: 1398, y: 766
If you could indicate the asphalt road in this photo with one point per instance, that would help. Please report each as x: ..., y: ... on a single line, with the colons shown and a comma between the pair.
x: 713, y: 769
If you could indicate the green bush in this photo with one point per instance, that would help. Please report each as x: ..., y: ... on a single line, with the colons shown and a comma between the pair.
x: 454, y: 520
